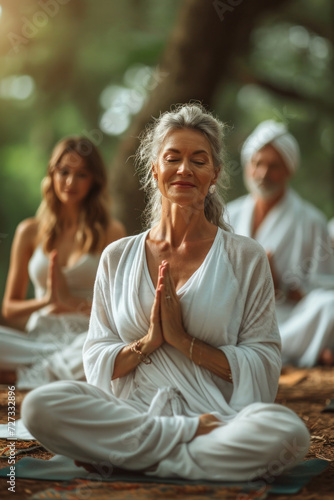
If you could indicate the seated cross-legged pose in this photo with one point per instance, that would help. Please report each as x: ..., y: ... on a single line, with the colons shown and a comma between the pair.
x: 183, y: 351
x: 59, y: 250
x: 294, y: 234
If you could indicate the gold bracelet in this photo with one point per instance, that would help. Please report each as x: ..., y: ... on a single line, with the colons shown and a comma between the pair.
x: 191, y: 349
x: 135, y: 347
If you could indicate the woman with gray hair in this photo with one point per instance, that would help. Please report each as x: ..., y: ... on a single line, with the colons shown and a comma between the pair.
x: 183, y: 352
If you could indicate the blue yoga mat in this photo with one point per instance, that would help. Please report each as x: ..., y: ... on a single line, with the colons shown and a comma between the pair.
x: 60, y: 468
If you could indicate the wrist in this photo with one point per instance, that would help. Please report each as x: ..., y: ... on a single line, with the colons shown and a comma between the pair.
x: 195, y: 351
x: 185, y: 344
x: 136, y: 348
x: 46, y: 300
x: 149, y: 344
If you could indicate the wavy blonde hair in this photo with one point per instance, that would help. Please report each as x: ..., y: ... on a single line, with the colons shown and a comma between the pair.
x: 94, y: 217
x: 192, y: 116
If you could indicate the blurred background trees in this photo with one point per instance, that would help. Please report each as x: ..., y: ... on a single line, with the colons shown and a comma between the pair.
x: 103, y: 69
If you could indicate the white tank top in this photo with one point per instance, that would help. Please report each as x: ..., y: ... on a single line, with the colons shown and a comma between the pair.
x: 80, y: 277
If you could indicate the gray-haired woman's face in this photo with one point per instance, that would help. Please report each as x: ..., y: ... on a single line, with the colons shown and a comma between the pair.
x: 184, y: 168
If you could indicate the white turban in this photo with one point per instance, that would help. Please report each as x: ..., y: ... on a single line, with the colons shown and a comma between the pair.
x: 276, y: 134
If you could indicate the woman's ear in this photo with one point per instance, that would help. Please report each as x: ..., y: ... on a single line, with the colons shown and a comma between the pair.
x: 154, y: 171
x: 216, y: 175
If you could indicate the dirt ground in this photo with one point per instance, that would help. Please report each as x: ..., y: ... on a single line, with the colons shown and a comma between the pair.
x: 306, y: 392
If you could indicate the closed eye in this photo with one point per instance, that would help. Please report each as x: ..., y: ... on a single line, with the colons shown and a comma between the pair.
x: 172, y: 160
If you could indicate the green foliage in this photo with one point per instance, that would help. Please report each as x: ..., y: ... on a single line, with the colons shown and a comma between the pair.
x: 72, y: 51
x: 287, y: 76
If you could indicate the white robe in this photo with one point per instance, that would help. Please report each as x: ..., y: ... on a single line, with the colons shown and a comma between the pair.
x: 295, y: 233
x: 228, y: 302
x: 147, y: 419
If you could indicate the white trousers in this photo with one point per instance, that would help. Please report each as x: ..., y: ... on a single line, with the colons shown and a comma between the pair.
x: 17, y: 348
x: 84, y: 423
x: 39, y: 360
x: 308, y: 328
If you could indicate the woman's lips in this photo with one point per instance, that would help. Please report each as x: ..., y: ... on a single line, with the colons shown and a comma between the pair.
x: 183, y: 184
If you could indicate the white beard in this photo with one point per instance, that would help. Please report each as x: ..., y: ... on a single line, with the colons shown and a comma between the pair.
x: 265, y: 190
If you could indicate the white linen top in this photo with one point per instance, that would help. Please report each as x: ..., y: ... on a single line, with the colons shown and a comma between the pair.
x: 79, y: 277
x: 228, y: 303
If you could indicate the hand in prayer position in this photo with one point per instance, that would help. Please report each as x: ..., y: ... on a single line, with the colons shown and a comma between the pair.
x: 155, y: 336
x: 57, y: 288
x: 170, y: 308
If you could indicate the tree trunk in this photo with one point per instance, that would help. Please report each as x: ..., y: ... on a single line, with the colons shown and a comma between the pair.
x: 207, y: 35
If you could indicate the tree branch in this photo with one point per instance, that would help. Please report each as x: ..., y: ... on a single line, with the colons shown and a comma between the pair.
x: 206, y: 38
x: 326, y: 107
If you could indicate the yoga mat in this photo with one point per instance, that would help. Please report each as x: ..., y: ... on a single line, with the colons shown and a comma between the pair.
x: 293, y: 481
x: 20, y: 431
x: 80, y: 488
x: 329, y: 407
x: 60, y: 468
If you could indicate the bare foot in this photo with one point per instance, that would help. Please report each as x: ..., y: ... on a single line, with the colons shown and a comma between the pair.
x: 207, y: 423
x: 326, y: 357
x: 87, y: 466
x: 103, y: 469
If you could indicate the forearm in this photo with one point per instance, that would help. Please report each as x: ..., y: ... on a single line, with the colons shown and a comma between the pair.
x: 129, y: 357
x: 12, y: 309
x: 205, y: 355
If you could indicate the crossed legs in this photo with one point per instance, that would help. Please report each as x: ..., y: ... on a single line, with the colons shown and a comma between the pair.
x: 82, y: 422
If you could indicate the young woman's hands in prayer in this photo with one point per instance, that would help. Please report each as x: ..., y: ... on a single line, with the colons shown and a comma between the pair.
x: 57, y: 289
x: 58, y: 295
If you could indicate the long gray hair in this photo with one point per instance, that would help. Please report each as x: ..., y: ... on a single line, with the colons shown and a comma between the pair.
x: 186, y: 116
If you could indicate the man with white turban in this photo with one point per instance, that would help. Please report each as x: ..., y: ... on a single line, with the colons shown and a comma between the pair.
x: 295, y: 237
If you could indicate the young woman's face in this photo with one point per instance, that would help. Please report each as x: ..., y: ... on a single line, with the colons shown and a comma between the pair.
x: 72, y: 179
x: 184, y: 168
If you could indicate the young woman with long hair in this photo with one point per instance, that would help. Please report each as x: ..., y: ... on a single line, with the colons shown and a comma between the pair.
x: 59, y: 250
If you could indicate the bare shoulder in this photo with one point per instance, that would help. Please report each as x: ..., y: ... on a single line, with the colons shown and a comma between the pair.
x: 25, y: 240
x: 115, y: 231
x: 27, y: 230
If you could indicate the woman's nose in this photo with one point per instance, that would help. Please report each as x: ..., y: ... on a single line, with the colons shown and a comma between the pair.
x: 70, y: 179
x: 184, y: 167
